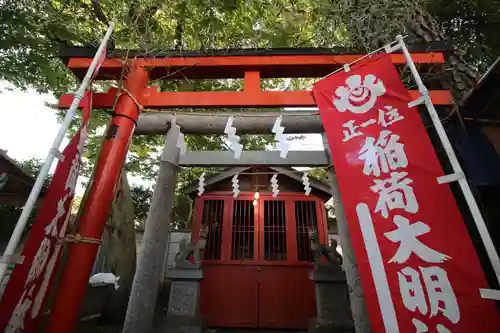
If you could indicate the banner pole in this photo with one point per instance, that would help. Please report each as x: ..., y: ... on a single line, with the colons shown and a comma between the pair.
x: 53, y: 152
x: 459, y: 174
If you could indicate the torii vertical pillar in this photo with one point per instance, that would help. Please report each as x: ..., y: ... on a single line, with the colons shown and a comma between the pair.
x: 357, y: 299
x: 142, y: 302
x: 74, y: 281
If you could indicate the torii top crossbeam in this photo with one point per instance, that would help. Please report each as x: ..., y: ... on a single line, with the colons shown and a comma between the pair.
x: 252, y: 65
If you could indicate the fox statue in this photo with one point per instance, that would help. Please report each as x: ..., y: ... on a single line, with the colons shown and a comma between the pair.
x: 187, y: 248
x: 323, y: 250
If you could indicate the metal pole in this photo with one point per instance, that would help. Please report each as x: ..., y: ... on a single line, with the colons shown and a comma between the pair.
x: 142, y: 302
x: 356, y: 297
x: 462, y: 181
x: 95, y: 211
x: 44, y: 171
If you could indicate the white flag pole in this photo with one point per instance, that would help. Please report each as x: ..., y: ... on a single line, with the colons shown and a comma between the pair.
x: 457, y: 169
x: 53, y: 152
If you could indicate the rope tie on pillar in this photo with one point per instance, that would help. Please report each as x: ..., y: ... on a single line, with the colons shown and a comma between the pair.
x: 114, y: 114
x: 77, y: 238
x: 132, y: 97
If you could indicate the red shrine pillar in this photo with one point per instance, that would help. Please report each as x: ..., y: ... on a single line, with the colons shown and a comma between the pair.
x: 74, y: 281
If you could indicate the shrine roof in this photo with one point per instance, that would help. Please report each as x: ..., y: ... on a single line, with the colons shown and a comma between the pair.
x: 15, y: 183
x: 316, y: 184
x: 483, y: 102
x: 233, y: 63
x: 89, y: 52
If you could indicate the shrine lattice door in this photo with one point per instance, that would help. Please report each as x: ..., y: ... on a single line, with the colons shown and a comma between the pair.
x: 257, y: 259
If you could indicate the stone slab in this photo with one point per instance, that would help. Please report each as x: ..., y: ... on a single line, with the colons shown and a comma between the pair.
x: 180, y: 324
x: 184, y: 274
x: 327, y: 274
x: 332, y: 303
x: 322, y: 326
x: 184, y: 298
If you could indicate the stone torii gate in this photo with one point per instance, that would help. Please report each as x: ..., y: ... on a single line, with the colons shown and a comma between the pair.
x: 135, y: 96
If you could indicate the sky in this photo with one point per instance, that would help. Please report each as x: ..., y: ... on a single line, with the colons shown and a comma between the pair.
x: 28, y: 127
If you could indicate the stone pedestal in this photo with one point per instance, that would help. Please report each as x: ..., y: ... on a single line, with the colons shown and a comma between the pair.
x: 332, y: 301
x: 183, y: 305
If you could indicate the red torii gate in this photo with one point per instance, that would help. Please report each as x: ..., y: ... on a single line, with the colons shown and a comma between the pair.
x: 251, y: 68
x: 250, y: 65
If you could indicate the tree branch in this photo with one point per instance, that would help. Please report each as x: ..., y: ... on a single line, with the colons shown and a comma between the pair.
x: 99, y: 13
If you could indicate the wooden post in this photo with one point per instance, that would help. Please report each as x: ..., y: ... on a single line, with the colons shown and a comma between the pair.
x: 142, y: 302
x: 358, y: 304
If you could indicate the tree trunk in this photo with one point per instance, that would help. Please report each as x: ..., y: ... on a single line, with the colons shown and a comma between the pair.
x: 374, y: 23
x: 179, y: 28
x: 119, y: 250
x: 117, y: 255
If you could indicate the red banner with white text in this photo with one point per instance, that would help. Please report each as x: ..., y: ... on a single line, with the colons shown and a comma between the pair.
x: 418, y: 267
x: 23, y: 300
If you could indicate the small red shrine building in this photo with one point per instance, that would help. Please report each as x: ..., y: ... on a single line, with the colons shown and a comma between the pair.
x: 257, y: 258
